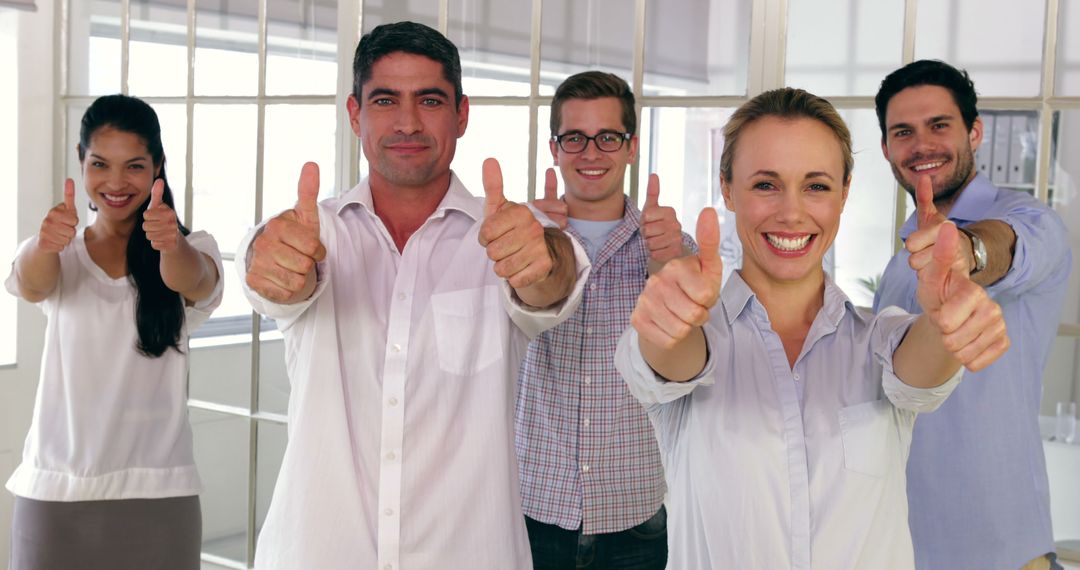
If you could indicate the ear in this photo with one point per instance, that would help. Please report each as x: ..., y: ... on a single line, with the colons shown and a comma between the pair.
x: 725, y: 191
x: 844, y: 194
x: 885, y: 150
x: 554, y: 146
x: 632, y: 153
x: 353, y: 107
x: 975, y: 135
x: 463, y: 115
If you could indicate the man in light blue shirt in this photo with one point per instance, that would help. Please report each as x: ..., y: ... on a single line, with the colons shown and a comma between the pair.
x: 977, y: 486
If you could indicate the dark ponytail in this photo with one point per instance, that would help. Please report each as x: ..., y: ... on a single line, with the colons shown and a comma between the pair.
x: 159, y: 311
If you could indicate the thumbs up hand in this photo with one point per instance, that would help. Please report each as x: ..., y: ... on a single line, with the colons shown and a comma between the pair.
x: 550, y: 204
x: 659, y: 225
x: 929, y: 220
x: 971, y: 324
x: 514, y: 239
x: 159, y: 221
x: 58, y: 227
x: 281, y: 261
x: 677, y: 300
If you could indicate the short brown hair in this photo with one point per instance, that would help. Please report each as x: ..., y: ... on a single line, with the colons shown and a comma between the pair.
x: 786, y: 103
x: 594, y: 85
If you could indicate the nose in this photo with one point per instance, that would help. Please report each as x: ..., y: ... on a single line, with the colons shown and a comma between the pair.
x: 591, y: 151
x: 116, y: 179
x: 407, y: 120
x: 792, y: 207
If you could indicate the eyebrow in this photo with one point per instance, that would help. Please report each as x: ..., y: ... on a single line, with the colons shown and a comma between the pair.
x: 930, y: 121
x: 129, y: 161
x: 384, y: 91
x: 812, y: 174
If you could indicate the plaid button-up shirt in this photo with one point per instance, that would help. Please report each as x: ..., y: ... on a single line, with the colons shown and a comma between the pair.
x: 587, y: 453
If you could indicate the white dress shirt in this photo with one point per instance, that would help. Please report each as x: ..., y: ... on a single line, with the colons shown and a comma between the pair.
x: 771, y: 466
x: 401, y: 418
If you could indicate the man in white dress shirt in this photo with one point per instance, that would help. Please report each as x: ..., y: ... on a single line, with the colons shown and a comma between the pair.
x: 406, y: 305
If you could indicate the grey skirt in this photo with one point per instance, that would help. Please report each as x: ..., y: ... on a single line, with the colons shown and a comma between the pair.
x: 135, y: 534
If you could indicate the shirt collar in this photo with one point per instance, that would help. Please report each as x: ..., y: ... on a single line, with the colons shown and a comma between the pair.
x: 457, y: 198
x: 973, y: 201
x: 737, y: 296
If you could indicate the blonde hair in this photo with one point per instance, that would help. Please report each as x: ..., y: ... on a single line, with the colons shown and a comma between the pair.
x: 786, y: 103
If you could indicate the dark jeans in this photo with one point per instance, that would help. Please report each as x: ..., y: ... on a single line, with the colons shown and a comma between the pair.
x: 643, y: 547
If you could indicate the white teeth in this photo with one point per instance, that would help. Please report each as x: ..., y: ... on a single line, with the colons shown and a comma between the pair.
x: 117, y: 198
x: 788, y: 244
x: 922, y: 167
x: 593, y: 172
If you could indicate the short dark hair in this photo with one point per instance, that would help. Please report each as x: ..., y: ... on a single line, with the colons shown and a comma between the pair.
x: 929, y: 72
x: 594, y: 85
x: 407, y: 37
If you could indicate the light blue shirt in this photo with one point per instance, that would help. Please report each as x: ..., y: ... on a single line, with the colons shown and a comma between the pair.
x: 594, y: 234
x: 774, y: 466
x: 977, y: 476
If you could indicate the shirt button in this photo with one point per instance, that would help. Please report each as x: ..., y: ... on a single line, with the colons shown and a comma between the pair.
x: 390, y: 456
x: 388, y: 567
x: 584, y: 468
x: 588, y: 380
x: 586, y: 422
x: 396, y: 347
x: 588, y: 330
x: 796, y: 377
x: 392, y: 401
x: 592, y: 286
x: 401, y: 296
x: 388, y: 512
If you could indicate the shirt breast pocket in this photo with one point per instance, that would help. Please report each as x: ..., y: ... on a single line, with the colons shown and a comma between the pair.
x: 869, y: 437
x: 470, y: 328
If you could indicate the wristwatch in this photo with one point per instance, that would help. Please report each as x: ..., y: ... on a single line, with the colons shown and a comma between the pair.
x: 978, y: 251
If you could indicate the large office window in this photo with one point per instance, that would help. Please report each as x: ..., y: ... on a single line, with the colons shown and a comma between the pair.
x: 248, y: 90
x: 9, y: 171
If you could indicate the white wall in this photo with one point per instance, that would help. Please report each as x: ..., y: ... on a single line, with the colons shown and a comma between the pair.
x: 36, y: 194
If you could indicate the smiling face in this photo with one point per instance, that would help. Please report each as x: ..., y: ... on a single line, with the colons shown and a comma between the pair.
x: 787, y: 191
x: 925, y: 135
x: 407, y: 121
x: 117, y: 172
x: 594, y: 178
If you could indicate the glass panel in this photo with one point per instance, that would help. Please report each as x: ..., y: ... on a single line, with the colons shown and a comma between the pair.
x: 682, y: 146
x: 864, y: 243
x: 94, y: 47
x: 221, y: 452
x: 9, y: 168
x: 233, y: 301
x: 493, y: 39
x: 273, y: 378
x: 1068, y: 55
x: 577, y: 35
x: 384, y: 11
x: 223, y: 180
x: 301, y: 49
x: 999, y: 42
x: 173, y: 119
x: 1065, y: 200
x: 73, y: 169
x: 843, y: 47
x: 157, y: 57
x: 544, y: 160
x: 221, y: 374
x: 296, y: 134
x: 498, y: 132
x: 226, y: 48
x: 272, y: 439
x: 693, y: 47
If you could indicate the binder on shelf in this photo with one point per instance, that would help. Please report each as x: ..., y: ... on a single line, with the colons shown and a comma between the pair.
x: 1020, y: 150
x: 984, y: 155
x: 999, y: 163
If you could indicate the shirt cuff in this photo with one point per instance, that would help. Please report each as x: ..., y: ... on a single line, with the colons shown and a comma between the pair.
x: 533, y: 321
x: 649, y: 387
x: 285, y: 315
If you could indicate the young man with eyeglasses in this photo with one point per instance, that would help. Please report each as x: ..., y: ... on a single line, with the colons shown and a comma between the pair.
x: 591, y: 479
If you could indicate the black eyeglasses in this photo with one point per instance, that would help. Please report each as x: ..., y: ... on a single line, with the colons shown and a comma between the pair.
x: 575, y: 142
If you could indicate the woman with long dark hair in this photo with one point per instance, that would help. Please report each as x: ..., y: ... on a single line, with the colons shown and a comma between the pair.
x: 108, y: 476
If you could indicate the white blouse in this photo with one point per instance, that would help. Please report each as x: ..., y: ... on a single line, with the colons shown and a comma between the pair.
x: 109, y: 423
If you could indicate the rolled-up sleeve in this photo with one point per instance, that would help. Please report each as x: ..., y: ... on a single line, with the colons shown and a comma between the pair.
x: 649, y: 388
x: 1041, y: 256
x: 533, y: 321
x: 890, y: 326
